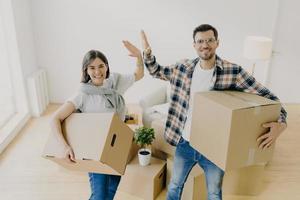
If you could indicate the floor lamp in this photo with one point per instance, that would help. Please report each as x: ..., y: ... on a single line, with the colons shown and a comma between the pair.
x: 257, y: 48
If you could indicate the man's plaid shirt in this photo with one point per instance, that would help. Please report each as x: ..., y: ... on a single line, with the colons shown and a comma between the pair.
x: 226, y: 76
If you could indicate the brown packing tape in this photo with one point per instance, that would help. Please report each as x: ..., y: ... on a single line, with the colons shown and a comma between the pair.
x: 252, y: 103
x: 251, y: 156
x: 256, y: 106
x: 257, y: 110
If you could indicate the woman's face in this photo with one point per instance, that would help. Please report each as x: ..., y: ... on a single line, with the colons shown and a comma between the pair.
x: 97, y: 71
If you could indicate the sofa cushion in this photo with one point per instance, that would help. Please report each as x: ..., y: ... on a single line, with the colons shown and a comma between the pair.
x: 162, y: 109
x: 150, y: 115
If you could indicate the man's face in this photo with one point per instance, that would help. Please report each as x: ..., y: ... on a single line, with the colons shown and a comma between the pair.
x: 206, y: 44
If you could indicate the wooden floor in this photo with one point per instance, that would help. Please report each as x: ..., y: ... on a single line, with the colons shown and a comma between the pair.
x: 24, y: 174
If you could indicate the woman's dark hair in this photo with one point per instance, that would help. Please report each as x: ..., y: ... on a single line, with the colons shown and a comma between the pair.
x: 204, y: 28
x: 88, y: 58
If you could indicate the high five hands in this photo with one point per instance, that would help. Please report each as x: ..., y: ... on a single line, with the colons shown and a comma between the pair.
x: 133, y: 50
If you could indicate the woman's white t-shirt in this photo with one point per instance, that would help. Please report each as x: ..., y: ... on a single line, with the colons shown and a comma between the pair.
x: 87, y: 103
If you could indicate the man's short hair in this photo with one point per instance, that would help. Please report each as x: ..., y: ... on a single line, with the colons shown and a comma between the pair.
x: 204, y: 28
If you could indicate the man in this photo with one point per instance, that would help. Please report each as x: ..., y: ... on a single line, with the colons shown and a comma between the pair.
x: 204, y: 73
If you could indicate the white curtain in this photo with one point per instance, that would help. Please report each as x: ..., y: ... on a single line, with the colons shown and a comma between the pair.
x: 7, y: 100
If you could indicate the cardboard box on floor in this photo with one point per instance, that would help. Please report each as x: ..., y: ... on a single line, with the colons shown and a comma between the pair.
x: 101, y: 142
x: 226, y: 124
x: 244, y: 181
x: 160, y: 148
x: 143, y: 182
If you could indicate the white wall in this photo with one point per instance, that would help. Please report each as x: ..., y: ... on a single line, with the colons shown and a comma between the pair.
x: 64, y: 30
x: 24, y: 31
x: 285, y: 68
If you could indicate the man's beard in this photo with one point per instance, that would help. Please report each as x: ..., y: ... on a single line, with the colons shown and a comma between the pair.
x: 207, y: 57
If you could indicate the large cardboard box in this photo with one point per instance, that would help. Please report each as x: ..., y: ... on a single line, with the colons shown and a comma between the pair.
x: 226, y: 124
x: 101, y: 143
x: 143, y: 182
x: 247, y: 181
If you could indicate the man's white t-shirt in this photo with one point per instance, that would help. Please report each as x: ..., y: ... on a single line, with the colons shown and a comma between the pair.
x: 201, y: 82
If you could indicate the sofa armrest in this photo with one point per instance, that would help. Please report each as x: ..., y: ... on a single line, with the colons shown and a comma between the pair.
x: 157, y: 96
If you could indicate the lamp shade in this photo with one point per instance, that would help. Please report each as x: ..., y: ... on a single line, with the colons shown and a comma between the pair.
x: 257, y: 48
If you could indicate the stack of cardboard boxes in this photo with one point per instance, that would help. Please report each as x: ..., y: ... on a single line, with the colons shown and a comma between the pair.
x: 225, y: 127
x: 102, y: 143
x: 141, y: 182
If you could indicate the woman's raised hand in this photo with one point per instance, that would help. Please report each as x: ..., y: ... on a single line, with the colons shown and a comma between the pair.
x: 133, y: 50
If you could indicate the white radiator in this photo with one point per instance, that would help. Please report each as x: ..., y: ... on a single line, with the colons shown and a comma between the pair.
x: 38, y: 92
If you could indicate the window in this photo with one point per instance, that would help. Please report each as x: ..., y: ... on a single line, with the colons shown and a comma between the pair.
x: 7, y: 100
x: 13, y: 103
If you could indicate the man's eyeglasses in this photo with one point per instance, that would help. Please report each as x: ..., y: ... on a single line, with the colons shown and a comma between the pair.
x: 208, y: 41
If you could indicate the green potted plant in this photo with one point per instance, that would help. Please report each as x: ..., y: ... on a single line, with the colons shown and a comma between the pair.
x: 144, y: 137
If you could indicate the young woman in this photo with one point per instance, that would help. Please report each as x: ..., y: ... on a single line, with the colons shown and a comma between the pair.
x: 100, y: 91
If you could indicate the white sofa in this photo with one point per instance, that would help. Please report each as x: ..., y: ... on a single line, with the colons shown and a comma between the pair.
x: 155, y: 105
x: 155, y: 109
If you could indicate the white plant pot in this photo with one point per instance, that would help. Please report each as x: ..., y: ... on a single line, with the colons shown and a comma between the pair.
x: 144, y: 158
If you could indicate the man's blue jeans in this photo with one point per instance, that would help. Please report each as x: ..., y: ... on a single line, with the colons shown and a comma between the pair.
x: 103, y: 186
x: 185, y: 159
